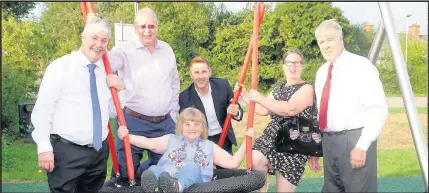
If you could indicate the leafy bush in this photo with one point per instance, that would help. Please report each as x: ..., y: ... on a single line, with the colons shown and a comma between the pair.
x: 416, y: 67
x: 22, y: 52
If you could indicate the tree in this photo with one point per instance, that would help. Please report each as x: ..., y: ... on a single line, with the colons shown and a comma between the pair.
x: 290, y: 25
x: 230, y: 45
x: 19, y: 9
x: 417, y: 64
x: 62, y: 22
x: 23, y: 51
x: 220, y: 13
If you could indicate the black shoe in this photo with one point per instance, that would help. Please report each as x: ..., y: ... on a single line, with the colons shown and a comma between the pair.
x: 149, y: 183
x: 168, y: 183
x: 111, y: 183
x: 120, y: 181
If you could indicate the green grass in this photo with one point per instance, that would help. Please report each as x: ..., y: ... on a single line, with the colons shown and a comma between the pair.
x: 391, y: 163
x: 399, y: 110
x: 19, y: 161
x: 20, y: 164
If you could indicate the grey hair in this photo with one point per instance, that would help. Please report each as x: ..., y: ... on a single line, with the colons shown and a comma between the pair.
x: 143, y: 10
x: 96, y: 23
x: 293, y: 51
x: 330, y: 24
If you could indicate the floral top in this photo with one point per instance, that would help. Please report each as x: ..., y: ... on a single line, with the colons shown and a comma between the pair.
x: 180, y: 152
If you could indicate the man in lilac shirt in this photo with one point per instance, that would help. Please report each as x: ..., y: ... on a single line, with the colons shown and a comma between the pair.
x: 150, y: 100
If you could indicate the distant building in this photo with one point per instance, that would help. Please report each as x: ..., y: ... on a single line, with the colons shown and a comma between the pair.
x: 414, y: 31
x: 367, y: 27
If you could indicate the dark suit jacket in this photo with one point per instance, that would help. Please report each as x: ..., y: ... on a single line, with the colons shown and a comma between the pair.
x: 221, y: 94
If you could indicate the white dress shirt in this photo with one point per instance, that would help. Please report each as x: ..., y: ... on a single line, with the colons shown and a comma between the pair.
x: 64, y: 105
x: 356, y: 97
x: 212, y: 120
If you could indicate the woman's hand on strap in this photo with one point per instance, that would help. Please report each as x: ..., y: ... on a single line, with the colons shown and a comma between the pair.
x: 244, y: 94
x: 250, y: 133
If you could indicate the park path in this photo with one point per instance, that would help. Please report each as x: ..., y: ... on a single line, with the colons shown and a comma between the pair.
x: 399, y: 102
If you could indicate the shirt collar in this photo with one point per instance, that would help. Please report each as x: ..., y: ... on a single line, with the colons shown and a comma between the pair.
x: 138, y: 44
x: 185, y: 140
x: 339, y: 61
x: 85, y: 60
x: 201, y: 95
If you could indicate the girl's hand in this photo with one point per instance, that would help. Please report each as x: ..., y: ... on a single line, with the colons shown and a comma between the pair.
x: 122, y: 132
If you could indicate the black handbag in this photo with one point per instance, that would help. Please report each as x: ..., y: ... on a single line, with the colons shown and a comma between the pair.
x: 299, y: 135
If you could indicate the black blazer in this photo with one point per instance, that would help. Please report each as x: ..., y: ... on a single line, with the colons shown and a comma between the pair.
x: 221, y: 94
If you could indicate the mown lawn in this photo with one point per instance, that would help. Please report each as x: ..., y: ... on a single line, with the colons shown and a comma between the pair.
x: 19, y: 160
x: 19, y: 164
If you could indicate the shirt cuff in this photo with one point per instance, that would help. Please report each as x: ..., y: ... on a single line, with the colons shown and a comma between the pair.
x: 238, y: 116
x: 363, y: 144
x: 44, y: 146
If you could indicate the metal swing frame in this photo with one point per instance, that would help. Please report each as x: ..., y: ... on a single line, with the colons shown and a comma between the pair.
x: 387, y: 27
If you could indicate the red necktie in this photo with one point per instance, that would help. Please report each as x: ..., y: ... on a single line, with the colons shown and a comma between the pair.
x: 324, y: 101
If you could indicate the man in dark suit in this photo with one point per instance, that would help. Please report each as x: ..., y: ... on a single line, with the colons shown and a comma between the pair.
x: 212, y: 97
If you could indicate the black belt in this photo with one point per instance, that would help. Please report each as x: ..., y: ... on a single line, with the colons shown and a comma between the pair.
x: 331, y: 133
x: 157, y: 119
x: 59, y: 138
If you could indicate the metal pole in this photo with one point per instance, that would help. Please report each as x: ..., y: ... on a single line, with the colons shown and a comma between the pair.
x: 122, y: 32
x: 407, y: 92
x: 374, y: 51
x: 136, y: 8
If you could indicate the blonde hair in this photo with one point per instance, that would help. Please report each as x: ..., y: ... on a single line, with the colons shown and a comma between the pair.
x: 194, y: 115
x: 330, y: 24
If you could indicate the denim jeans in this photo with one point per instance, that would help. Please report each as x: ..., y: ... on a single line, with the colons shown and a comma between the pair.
x: 141, y: 128
x: 187, y: 176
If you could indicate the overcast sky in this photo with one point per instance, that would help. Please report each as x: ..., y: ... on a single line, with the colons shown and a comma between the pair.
x: 359, y: 12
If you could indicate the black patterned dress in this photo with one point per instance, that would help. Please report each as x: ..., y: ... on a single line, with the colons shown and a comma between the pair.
x: 291, y: 166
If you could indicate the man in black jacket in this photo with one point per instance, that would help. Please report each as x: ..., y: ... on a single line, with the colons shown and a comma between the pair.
x: 212, y: 96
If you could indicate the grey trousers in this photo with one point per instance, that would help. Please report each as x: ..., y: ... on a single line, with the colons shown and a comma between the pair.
x: 339, y: 176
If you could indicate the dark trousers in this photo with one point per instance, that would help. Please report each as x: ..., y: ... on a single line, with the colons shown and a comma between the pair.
x: 77, y: 169
x: 227, y: 145
x: 141, y: 127
x: 339, y: 176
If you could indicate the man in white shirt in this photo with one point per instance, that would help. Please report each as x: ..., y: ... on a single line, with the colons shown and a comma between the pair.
x: 71, y: 114
x: 352, y: 112
x: 212, y: 96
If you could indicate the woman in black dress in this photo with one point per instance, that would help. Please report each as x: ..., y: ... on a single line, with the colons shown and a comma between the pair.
x: 293, y: 97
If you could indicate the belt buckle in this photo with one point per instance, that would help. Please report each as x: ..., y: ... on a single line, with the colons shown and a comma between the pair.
x: 90, y: 145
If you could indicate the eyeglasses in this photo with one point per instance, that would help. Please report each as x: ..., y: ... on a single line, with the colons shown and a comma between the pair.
x: 295, y: 63
x: 149, y: 26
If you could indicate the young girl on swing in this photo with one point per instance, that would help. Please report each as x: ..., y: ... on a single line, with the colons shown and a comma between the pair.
x: 188, y: 156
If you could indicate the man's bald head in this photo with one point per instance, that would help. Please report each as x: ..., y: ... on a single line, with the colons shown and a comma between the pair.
x: 144, y: 13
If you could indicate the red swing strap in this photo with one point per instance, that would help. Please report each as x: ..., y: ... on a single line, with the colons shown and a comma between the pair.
x: 252, y: 50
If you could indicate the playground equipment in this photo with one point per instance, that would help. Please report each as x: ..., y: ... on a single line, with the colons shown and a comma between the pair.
x: 386, y: 26
x: 224, y: 180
